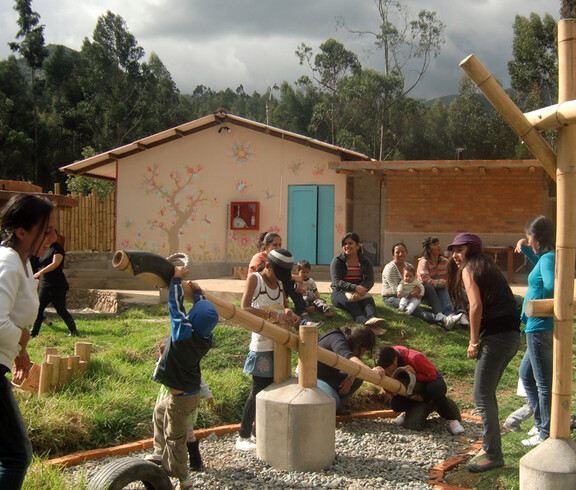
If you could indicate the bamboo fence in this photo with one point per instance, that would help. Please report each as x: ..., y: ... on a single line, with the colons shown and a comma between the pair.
x: 90, y: 226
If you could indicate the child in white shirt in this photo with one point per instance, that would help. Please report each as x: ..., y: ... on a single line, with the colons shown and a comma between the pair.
x: 407, y: 285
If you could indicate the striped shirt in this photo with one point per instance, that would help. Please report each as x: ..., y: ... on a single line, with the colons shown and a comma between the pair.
x: 435, y: 275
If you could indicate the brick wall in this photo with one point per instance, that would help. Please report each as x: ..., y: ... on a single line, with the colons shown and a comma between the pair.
x: 499, y: 200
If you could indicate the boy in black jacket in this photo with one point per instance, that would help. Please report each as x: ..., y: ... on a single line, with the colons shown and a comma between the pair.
x: 179, y: 370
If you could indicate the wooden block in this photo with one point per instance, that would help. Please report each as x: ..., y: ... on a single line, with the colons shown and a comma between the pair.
x: 63, y: 374
x: 32, y: 381
x: 55, y: 361
x: 45, y: 378
x: 82, y: 350
x: 50, y: 351
x: 83, y: 367
x: 74, y: 365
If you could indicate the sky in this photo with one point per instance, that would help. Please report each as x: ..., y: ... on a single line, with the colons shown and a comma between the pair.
x: 226, y: 43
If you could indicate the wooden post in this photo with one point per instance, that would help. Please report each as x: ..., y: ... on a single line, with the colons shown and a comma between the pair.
x: 282, y: 360
x: 49, y: 351
x: 82, y: 350
x: 55, y: 361
x: 74, y: 365
x: 539, y: 307
x: 307, y: 356
x: 565, y: 238
x: 63, y: 375
x: 45, y: 378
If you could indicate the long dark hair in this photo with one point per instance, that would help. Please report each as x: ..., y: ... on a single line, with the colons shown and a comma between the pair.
x: 543, y: 231
x: 24, y: 211
x: 359, y: 337
x: 484, y: 272
x: 266, y: 239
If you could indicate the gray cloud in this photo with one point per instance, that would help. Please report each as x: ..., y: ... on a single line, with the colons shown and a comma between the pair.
x: 225, y: 43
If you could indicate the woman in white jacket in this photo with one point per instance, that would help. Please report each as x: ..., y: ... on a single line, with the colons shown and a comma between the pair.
x: 27, y: 226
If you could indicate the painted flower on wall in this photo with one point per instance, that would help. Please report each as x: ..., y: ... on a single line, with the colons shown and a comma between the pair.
x: 339, y: 229
x: 319, y: 170
x: 242, y: 186
x: 268, y: 194
x: 241, y: 153
x: 296, y: 166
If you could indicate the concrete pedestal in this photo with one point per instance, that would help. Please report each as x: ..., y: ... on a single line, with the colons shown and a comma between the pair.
x: 295, y: 427
x: 549, y: 466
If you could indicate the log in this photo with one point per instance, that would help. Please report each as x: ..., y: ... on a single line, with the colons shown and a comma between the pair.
x: 45, y: 378
x: 82, y: 350
x: 156, y: 271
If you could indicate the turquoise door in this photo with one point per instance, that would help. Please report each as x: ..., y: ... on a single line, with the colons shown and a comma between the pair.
x: 311, y: 223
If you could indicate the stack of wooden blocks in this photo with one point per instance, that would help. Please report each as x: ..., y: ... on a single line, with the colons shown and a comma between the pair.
x: 57, y: 370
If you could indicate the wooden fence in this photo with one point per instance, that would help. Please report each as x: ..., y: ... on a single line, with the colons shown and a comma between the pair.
x: 90, y: 226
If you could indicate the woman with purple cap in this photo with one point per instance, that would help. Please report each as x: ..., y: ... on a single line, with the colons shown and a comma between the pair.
x: 494, y: 334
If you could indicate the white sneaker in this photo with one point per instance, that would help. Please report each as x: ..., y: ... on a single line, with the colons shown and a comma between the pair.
x: 245, y: 444
x: 533, y: 431
x: 533, y: 441
x: 400, y: 419
x: 452, y: 320
x: 456, y: 427
x: 464, y: 320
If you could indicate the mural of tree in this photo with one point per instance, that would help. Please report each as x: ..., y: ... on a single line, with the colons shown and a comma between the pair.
x: 180, y: 201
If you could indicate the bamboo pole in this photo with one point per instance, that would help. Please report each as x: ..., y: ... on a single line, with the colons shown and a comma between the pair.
x: 539, y: 307
x: 307, y: 359
x: 565, y: 239
x: 63, y: 373
x: 74, y: 365
x: 554, y: 116
x: 49, y: 351
x: 513, y: 116
x: 282, y: 360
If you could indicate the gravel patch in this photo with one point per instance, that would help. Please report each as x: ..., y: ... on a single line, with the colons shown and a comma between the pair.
x: 370, y: 453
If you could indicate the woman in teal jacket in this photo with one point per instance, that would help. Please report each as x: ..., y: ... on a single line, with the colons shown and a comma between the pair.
x: 536, y: 366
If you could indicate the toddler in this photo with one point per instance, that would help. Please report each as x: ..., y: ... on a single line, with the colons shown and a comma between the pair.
x: 310, y: 291
x: 407, y: 285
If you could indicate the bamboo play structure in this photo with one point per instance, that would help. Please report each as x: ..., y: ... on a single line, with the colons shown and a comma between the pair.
x: 56, y: 370
x: 553, y: 463
x: 158, y: 271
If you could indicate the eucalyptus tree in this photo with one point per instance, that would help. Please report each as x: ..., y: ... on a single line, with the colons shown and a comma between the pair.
x: 31, y: 47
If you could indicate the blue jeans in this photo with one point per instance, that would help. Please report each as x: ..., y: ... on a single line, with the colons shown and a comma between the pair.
x: 536, y: 375
x: 15, y: 448
x: 438, y: 299
x: 494, y: 353
x: 326, y: 388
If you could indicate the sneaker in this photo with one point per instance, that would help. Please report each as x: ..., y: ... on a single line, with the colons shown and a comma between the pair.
x: 533, y: 431
x: 455, y: 427
x: 245, y: 444
x: 400, y: 419
x: 512, y: 426
x: 464, y: 320
x: 154, y: 458
x: 533, y: 441
x: 452, y: 320
x: 185, y: 484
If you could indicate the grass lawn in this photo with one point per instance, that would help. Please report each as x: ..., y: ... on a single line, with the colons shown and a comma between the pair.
x: 113, y: 403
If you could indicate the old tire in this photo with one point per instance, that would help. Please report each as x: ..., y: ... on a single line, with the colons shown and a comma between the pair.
x: 119, y: 473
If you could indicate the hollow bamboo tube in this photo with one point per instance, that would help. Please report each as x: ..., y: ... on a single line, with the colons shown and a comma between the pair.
x: 282, y: 360
x: 565, y: 239
x: 55, y: 361
x: 45, y: 378
x: 513, y: 116
x: 83, y: 367
x: 82, y: 350
x: 307, y: 358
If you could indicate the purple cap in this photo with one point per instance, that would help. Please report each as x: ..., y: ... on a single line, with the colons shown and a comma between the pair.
x: 465, y: 239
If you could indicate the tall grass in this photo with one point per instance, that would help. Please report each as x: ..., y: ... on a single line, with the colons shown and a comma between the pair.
x: 113, y: 402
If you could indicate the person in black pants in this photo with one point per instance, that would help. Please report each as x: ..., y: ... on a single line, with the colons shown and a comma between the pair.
x: 53, y: 288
